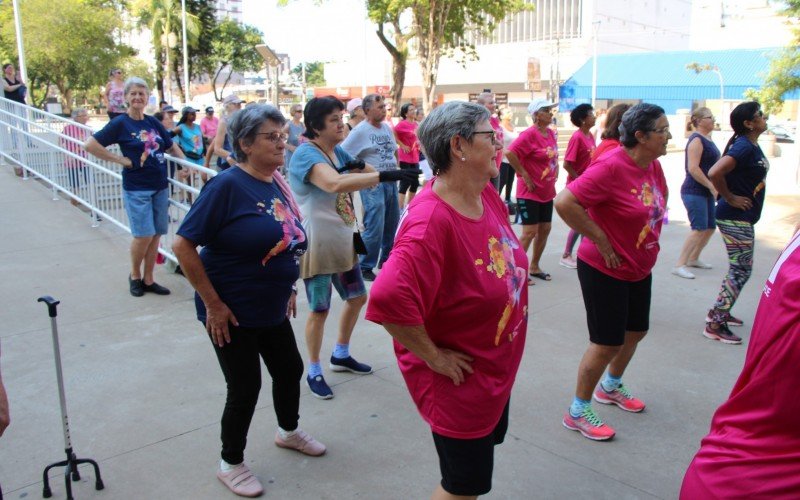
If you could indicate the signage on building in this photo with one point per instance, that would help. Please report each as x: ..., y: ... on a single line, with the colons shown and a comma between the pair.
x: 534, y: 82
x: 500, y: 98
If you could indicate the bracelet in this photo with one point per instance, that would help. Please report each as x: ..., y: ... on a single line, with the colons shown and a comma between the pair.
x: 294, y: 288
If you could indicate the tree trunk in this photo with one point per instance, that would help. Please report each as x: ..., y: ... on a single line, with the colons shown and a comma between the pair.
x: 176, y: 71
x: 399, y: 53
x: 429, y: 24
x: 214, y: 80
x: 160, y: 72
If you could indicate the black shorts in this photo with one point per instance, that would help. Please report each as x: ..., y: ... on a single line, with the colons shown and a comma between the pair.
x: 408, y: 185
x: 614, y: 306
x: 467, y: 464
x: 533, y: 212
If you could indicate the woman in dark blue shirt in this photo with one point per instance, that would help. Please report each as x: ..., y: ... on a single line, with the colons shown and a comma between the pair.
x: 250, y: 229
x: 697, y: 193
x: 740, y: 179
x: 143, y: 141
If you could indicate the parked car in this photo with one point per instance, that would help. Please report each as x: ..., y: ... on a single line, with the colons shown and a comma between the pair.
x: 781, y: 134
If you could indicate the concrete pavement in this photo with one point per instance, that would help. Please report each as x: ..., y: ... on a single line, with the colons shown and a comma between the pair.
x: 145, y: 393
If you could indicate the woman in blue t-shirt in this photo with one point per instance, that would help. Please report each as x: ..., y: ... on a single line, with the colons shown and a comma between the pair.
x: 739, y: 178
x: 697, y: 193
x: 250, y: 229
x: 190, y: 136
x: 143, y: 140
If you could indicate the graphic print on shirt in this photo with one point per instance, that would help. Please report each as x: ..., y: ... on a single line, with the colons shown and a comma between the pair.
x: 552, y: 155
x: 344, y: 207
x: 150, y: 140
x: 503, y: 266
x: 651, y: 197
x: 292, y: 234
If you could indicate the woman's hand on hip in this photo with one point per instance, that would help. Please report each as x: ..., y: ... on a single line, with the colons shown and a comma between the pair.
x: 451, y: 364
x: 126, y: 162
x: 607, y: 251
x: 740, y: 202
x: 291, y: 310
x: 217, y: 318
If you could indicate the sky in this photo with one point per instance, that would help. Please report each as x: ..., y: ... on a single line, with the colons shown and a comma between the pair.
x: 310, y: 32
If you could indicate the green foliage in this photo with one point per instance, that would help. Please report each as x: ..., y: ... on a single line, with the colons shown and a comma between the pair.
x: 784, y: 70
x: 233, y: 47
x: 69, y: 44
x: 315, y: 73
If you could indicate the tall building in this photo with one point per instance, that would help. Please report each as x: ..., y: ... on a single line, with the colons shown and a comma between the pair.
x: 231, y: 9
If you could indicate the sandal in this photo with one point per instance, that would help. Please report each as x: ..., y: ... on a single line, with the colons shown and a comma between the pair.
x: 542, y: 276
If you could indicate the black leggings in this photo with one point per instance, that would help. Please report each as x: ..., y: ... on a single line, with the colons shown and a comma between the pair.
x: 506, y: 180
x: 242, y: 369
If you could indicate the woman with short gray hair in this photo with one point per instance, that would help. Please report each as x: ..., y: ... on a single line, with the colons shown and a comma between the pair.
x: 618, y: 205
x: 143, y: 140
x: 453, y: 295
x: 250, y: 229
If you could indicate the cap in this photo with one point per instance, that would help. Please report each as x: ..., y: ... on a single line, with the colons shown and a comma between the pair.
x: 209, y: 109
x: 232, y: 99
x: 169, y: 109
x: 188, y: 109
x: 539, y: 104
x: 352, y: 104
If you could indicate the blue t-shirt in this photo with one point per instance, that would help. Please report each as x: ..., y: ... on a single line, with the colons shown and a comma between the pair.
x: 190, y: 139
x: 708, y: 158
x: 143, y: 142
x: 251, y: 243
x: 748, y: 179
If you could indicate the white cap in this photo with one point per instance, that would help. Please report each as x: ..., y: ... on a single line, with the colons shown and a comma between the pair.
x: 539, y: 104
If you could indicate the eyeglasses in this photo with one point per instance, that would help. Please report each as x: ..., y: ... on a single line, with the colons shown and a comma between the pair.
x: 274, y: 137
x: 709, y: 117
x: 662, y: 130
x: 297, y: 111
x: 491, y: 134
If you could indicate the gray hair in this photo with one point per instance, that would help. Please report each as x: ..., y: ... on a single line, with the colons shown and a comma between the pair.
x: 78, y: 111
x: 639, y: 118
x: 483, y: 97
x: 369, y: 101
x: 244, y: 125
x: 456, y: 118
x: 135, y: 81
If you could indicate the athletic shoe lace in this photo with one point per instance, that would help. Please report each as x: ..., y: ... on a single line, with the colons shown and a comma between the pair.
x: 624, y: 391
x: 592, y: 417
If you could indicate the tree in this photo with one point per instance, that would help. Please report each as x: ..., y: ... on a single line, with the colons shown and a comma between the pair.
x: 68, y: 44
x: 386, y: 14
x: 233, y: 47
x: 315, y: 73
x: 784, y: 70
x: 200, y: 61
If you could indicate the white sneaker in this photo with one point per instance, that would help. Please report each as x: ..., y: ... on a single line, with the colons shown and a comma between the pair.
x: 683, y: 272
x: 699, y: 264
x: 568, y: 262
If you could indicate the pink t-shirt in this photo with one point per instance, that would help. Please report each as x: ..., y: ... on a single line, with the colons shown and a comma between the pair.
x: 579, y: 152
x: 498, y: 135
x: 628, y: 203
x: 753, y: 448
x: 209, y: 126
x: 538, y: 155
x: 465, y: 280
x: 605, y: 145
x: 406, y: 133
x: 76, y: 147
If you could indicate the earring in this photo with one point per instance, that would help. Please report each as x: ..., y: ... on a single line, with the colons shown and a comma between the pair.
x: 463, y: 158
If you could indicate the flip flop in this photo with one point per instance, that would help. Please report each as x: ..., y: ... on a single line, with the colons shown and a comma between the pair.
x: 542, y: 276
x: 530, y: 281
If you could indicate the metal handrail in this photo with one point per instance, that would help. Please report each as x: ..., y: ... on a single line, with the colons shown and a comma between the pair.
x: 31, y: 140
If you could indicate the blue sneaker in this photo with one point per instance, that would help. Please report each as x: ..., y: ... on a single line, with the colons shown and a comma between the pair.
x: 319, y: 388
x: 349, y: 364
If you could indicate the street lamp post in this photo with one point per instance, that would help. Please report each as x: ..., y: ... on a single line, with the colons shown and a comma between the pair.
x: 23, y: 69
x: 185, y: 54
x: 596, y: 26
x: 699, y: 68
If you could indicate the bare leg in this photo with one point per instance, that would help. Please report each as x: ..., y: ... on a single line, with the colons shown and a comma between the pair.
x: 701, y: 244
x: 150, y: 260
x: 620, y: 362
x: 440, y: 494
x: 527, y: 236
x: 401, y: 199
x: 315, y: 327
x: 538, y: 245
x: 139, y: 248
x: 593, y: 364
x: 349, y: 318
x: 410, y: 196
x: 689, y: 247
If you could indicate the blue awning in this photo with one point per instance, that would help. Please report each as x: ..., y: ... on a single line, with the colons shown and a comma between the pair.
x: 662, y: 77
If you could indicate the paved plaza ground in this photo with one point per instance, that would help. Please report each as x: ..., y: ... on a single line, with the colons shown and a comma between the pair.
x: 145, y: 392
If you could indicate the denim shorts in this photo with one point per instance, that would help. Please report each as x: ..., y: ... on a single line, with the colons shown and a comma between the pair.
x: 700, y: 210
x: 147, y: 212
x: 349, y: 285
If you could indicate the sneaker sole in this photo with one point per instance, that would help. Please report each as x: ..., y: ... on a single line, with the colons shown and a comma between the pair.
x: 717, y: 337
x: 612, y: 402
x: 708, y: 320
x: 337, y: 368
x: 329, y: 396
x: 587, y: 436
x: 568, y: 266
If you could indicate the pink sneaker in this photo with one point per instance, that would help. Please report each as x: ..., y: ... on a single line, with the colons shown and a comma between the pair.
x: 569, y: 262
x: 241, y: 481
x: 621, y: 397
x: 301, y: 441
x: 588, y: 424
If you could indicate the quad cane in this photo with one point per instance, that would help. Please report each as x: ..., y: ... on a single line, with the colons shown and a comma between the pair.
x: 72, y: 462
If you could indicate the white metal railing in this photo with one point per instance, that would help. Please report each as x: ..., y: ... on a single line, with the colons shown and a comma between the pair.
x: 34, y: 140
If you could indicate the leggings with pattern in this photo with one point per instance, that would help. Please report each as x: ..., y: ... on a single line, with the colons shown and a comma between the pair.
x: 739, y: 238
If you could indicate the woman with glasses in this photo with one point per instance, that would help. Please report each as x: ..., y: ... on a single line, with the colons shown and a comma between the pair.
x: 698, y: 193
x: 115, y: 94
x: 618, y: 205
x: 250, y: 229
x: 453, y: 296
x: 739, y: 177
x: 294, y: 130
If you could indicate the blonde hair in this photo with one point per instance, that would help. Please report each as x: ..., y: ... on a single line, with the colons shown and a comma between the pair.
x: 698, y: 115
